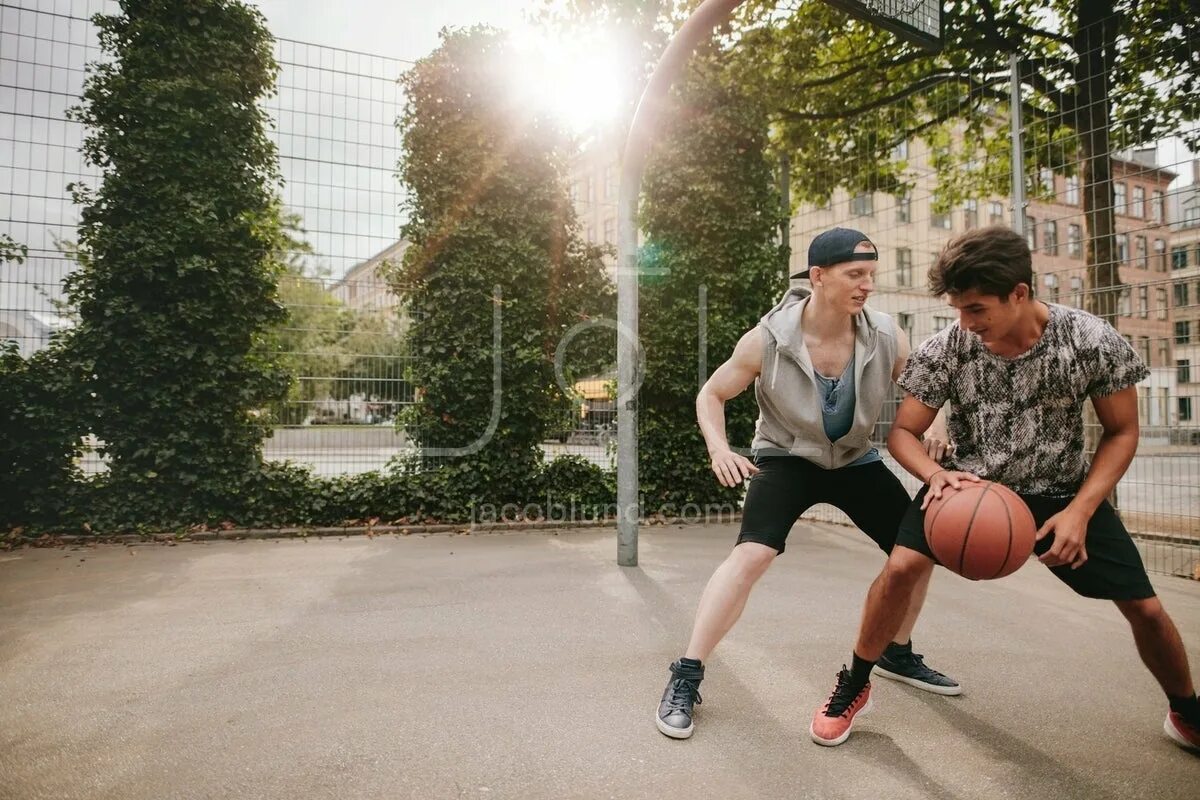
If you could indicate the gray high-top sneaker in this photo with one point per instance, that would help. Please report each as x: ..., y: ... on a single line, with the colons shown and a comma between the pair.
x: 682, y: 693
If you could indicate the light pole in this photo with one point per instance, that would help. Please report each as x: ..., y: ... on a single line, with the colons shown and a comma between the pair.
x: 698, y: 26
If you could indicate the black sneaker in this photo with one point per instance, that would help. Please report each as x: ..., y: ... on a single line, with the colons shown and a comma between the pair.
x: 682, y: 693
x: 900, y: 663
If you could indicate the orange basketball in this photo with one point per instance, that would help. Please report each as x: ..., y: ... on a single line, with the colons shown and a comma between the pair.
x: 982, y: 531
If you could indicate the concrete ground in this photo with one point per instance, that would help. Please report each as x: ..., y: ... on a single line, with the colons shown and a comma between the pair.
x: 528, y: 665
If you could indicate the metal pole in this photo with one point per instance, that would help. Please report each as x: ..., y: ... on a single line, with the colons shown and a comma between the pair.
x: 1018, y: 146
x: 698, y: 26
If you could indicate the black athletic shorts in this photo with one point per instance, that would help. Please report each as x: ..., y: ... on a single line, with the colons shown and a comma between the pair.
x: 787, y: 486
x: 1113, y: 570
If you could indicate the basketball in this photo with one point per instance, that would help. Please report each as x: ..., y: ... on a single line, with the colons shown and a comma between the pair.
x: 981, y: 531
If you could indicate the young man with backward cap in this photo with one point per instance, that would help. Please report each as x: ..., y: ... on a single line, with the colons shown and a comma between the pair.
x: 823, y: 365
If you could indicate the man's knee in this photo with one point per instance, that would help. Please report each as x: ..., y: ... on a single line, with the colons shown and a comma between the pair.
x: 751, y: 559
x: 1146, y: 611
x: 906, y: 567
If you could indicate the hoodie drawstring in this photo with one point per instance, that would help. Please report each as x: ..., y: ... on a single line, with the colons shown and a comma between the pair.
x: 775, y: 368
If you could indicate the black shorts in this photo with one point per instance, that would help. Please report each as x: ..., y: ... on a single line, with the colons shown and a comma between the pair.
x: 1113, y: 570
x: 787, y: 486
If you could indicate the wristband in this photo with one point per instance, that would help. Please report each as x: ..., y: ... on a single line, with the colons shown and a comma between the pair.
x: 927, y: 480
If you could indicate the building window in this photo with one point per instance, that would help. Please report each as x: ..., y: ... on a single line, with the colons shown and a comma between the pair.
x: 1181, y: 294
x: 1183, y: 370
x: 904, y: 208
x: 1162, y: 356
x: 1051, y: 283
x: 1158, y: 207
x: 1047, y: 177
x: 905, y: 321
x: 1183, y: 331
x: 1077, y: 291
x: 1050, y: 237
x: 611, y: 185
x: 1123, y: 303
x: 1160, y: 255
x: 1072, y: 193
x: 1161, y: 294
x: 940, y: 220
x: 610, y: 231
x: 1139, y: 202
x: 574, y: 192
x: 1074, y: 241
x: 588, y: 196
x: 900, y: 151
x: 1179, y: 257
x: 1031, y: 233
x: 903, y: 267
x: 1143, y: 302
x: 1144, y: 349
x: 1119, y: 201
x: 1141, y: 257
x: 862, y: 205
x: 941, y: 323
x: 1122, y: 248
x: 971, y: 214
x: 1185, y: 409
x: 996, y: 212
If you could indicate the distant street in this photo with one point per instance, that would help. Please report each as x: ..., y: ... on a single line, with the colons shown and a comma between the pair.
x: 1159, y: 494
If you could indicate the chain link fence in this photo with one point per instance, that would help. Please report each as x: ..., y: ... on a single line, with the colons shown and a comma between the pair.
x: 335, y: 114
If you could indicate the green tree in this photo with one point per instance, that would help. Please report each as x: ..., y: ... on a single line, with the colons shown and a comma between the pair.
x: 488, y: 206
x: 310, y: 342
x: 40, y: 436
x: 12, y: 251
x: 1098, y: 75
x: 176, y: 290
x: 710, y: 214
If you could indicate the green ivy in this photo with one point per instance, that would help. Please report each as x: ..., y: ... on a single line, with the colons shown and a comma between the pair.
x: 489, y: 209
x: 40, y: 441
x: 176, y: 289
x: 711, y: 214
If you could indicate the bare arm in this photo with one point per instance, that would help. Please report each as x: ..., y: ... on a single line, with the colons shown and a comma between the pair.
x: 913, y: 418
x: 1119, y: 419
x: 727, y: 382
x: 937, y: 437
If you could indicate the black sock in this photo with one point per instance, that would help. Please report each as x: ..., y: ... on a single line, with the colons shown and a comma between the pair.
x: 860, y: 670
x: 904, y: 648
x: 691, y: 662
x: 1184, y: 705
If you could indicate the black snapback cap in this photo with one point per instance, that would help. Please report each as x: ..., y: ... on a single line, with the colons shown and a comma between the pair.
x: 835, y: 246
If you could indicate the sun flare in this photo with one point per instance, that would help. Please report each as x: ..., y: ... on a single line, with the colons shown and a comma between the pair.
x: 578, y: 79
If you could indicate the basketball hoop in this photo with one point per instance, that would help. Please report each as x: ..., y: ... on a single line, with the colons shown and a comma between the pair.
x: 917, y: 21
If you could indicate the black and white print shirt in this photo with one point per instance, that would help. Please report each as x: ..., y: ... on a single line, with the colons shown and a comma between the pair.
x: 1019, y: 421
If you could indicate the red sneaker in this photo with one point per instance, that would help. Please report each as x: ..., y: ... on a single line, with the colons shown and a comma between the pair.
x: 832, y: 723
x: 1186, y: 733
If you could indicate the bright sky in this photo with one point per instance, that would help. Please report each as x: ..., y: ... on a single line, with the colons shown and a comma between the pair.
x: 406, y: 29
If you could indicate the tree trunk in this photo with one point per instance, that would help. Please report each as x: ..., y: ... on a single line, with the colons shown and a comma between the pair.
x: 1095, y: 37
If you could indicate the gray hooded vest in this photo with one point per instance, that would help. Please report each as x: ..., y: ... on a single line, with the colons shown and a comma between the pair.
x: 789, y: 400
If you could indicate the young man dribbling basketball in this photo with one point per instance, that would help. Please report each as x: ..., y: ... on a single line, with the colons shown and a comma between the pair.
x: 822, y: 364
x: 1016, y: 373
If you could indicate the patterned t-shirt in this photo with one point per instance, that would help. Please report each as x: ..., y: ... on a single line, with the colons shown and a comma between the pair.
x: 1019, y: 421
